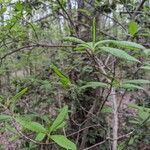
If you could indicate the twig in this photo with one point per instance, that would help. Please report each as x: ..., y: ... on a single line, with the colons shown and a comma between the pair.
x: 138, y: 8
x: 92, y: 126
x: 69, y: 18
x: 85, y: 132
x: 31, y: 47
x: 97, y: 144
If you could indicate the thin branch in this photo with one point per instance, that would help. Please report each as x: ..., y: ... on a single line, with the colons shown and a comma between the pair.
x: 69, y: 18
x: 138, y: 8
x: 97, y: 144
x: 29, y: 47
x: 92, y: 126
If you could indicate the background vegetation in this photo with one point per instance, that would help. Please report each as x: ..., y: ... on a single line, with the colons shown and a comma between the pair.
x: 74, y: 74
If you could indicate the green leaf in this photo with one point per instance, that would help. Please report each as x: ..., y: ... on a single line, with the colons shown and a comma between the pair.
x: 79, y: 48
x: 139, y: 107
x: 121, y: 145
x: 40, y: 136
x: 85, y: 11
x: 131, y: 141
x: 145, y: 67
x: 121, y: 44
x: 63, y: 142
x: 132, y: 28
x: 93, y: 85
x: 143, y: 114
x: 138, y: 81
x: 60, y: 119
x: 61, y: 125
x: 19, y: 6
x: 131, y: 86
x: 2, y: 10
x: 147, y: 52
x: 88, y: 45
x: 14, y: 138
x: 16, y: 98
x: 30, y: 125
x: 94, y: 30
x: 134, y: 121
x: 63, y: 78
x: 74, y: 40
x: 107, y: 109
x: 18, y: 95
x: 119, y: 53
x: 4, y: 117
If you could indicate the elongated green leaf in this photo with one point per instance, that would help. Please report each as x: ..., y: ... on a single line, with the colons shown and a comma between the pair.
x: 88, y: 45
x: 16, y: 98
x: 40, y: 136
x: 138, y: 81
x: 4, y: 117
x: 2, y: 10
x: 74, y: 40
x: 121, y: 44
x: 79, y: 48
x: 131, y: 86
x: 30, y: 125
x: 19, y: 6
x: 85, y: 11
x: 134, y: 121
x: 61, y: 125
x: 63, y: 142
x: 60, y: 119
x: 132, y: 28
x: 94, y: 30
x: 93, y: 85
x: 143, y: 114
x: 18, y: 95
x: 145, y: 67
x: 135, y: 106
x: 147, y: 52
x: 119, y: 53
x: 107, y: 109
x: 63, y: 78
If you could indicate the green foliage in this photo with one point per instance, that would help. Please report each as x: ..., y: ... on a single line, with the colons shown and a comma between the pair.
x: 121, y: 44
x: 138, y: 81
x: 18, y: 95
x: 93, y: 85
x: 94, y: 30
x: 107, y: 109
x: 132, y: 28
x: 30, y: 125
x: 142, y: 115
x: 63, y: 142
x: 42, y: 132
x: 147, y: 52
x: 63, y: 78
x: 88, y: 72
x: 134, y: 84
x: 12, y: 102
x: 4, y: 118
x: 130, y: 86
x: 59, y: 121
x: 18, y: 6
x: 145, y: 67
x: 118, y: 53
x: 40, y: 137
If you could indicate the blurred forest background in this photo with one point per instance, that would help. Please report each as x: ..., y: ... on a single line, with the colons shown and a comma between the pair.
x: 80, y: 65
